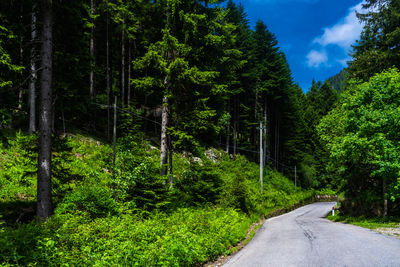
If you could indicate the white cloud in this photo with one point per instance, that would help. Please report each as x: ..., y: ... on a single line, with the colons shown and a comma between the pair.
x: 316, y: 58
x: 343, y: 61
x: 345, y: 32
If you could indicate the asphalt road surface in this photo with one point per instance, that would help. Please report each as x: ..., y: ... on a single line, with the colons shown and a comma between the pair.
x: 304, y: 238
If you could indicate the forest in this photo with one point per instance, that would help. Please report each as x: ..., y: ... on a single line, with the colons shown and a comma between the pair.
x: 131, y: 131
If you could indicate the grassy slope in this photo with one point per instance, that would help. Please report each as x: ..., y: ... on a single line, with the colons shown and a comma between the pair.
x: 97, y: 230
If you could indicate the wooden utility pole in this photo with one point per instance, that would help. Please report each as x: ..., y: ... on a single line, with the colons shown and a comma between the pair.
x: 227, y: 139
x: 295, y: 177
x: 114, y: 141
x: 171, y: 174
x: 261, y: 156
x: 234, y: 138
x: 265, y: 134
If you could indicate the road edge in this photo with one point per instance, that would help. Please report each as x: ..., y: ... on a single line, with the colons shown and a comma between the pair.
x: 254, y: 227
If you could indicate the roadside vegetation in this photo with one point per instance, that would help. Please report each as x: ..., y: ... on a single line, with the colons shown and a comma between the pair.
x: 209, y: 210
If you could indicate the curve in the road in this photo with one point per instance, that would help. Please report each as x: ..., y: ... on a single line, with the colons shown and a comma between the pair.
x: 304, y: 238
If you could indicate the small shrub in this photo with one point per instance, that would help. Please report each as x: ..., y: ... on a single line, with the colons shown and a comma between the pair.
x: 96, y: 201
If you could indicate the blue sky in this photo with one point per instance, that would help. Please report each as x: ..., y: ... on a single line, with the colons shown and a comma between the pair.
x: 315, y: 35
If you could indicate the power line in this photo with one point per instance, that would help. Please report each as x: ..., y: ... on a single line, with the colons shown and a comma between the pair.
x: 156, y: 122
x: 257, y: 152
x: 127, y: 111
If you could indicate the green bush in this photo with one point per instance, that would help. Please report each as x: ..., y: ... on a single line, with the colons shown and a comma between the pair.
x: 94, y: 200
x: 184, y: 238
x: 198, y: 185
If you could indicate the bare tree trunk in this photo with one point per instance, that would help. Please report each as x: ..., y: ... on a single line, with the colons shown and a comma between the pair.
x: 129, y: 71
x: 123, y: 68
x: 92, y: 60
x: 108, y: 74
x: 33, y: 76
x: 164, y: 141
x: 21, y: 58
x: 44, y: 205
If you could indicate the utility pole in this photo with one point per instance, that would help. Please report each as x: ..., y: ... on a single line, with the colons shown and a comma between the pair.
x: 295, y: 177
x: 234, y: 138
x: 227, y: 138
x: 261, y: 156
x: 114, y: 142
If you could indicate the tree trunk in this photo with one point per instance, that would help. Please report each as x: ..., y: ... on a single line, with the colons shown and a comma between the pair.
x: 92, y: 60
x: 164, y: 141
x: 108, y: 74
x: 123, y: 68
x: 33, y: 76
x: 129, y: 71
x: 21, y: 58
x: 44, y: 205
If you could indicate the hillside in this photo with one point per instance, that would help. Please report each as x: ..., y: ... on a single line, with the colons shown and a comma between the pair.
x: 214, y: 201
x: 338, y: 81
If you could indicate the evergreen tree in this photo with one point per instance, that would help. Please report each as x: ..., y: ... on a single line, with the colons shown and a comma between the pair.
x: 378, y: 47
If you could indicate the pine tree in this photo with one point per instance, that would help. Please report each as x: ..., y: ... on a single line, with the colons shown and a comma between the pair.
x: 44, y: 205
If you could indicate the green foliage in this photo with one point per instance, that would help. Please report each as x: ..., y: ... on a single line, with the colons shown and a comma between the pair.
x: 198, y: 185
x: 96, y: 201
x: 338, y: 81
x: 377, y: 49
x: 138, y: 181
x: 361, y: 135
x: 147, y: 225
x: 18, y: 167
x: 186, y: 237
x: 320, y: 99
x: 326, y: 191
x: 5, y: 58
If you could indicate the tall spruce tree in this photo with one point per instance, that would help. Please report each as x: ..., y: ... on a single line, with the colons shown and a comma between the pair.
x: 44, y: 204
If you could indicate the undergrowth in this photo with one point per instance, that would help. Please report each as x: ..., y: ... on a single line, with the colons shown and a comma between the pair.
x: 134, y: 219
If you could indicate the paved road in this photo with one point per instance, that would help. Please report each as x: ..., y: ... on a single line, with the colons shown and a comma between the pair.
x: 303, y: 238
